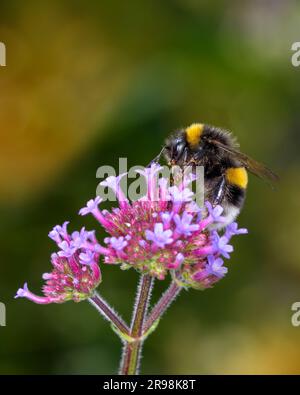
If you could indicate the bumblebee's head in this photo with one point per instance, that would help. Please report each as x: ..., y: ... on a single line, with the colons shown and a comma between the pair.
x: 176, y: 149
x: 184, y: 145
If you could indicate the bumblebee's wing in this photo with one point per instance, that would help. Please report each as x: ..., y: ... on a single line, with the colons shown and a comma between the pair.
x: 250, y: 164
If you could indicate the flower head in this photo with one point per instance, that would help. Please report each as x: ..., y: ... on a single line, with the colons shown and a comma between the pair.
x: 75, y: 273
x: 166, y: 234
x: 162, y: 232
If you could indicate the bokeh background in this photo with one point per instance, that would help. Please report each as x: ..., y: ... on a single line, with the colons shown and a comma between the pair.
x: 87, y: 82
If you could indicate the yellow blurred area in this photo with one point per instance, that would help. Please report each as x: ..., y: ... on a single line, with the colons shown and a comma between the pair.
x: 270, y: 349
x: 60, y: 85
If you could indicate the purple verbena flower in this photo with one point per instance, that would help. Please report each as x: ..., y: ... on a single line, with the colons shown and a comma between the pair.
x: 87, y: 258
x: 75, y: 273
x: 212, y: 272
x: 113, y: 182
x: 184, y: 225
x: 177, y: 194
x: 165, y: 235
x: 232, y: 230
x: 59, y: 233
x: 118, y: 243
x: 159, y: 237
x: 91, y: 206
x: 215, y: 212
x: 162, y: 232
x: 215, y: 266
x: 221, y: 245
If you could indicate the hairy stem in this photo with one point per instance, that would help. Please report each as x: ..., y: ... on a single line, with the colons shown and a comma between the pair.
x: 132, y: 350
x: 108, y: 313
x: 162, y: 305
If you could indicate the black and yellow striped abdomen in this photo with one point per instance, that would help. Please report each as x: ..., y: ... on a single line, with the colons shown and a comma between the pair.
x: 236, y: 185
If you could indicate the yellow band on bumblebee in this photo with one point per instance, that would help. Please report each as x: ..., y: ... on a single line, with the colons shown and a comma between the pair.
x: 193, y: 134
x: 237, y: 176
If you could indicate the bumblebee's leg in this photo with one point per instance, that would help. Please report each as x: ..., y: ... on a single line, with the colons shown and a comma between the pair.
x: 220, y: 192
x: 157, y: 158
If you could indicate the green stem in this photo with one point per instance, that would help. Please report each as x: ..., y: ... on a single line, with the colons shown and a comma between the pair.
x: 109, y: 314
x: 131, y: 358
x: 130, y: 363
x: 162, y: 305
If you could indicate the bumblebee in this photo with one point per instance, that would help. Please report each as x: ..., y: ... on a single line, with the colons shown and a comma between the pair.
x: 225, y: 167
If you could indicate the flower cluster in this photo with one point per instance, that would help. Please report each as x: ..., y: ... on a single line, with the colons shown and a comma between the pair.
x: 75, y: 272
x: 162, y: 232
x: 165, y: 232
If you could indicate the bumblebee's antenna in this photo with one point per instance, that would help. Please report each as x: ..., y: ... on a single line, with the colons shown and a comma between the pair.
x: 157, y: 158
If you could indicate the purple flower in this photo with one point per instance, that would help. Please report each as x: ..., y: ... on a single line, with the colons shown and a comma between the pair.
x: 66, y: 249
x: 80, y: 238
x: 163, y: 189
x: 75, y: 272
x: 159, y: 237
x: 46, y: 276
x: 232, y: 230
x: 221, y: 245
x: 166, y: 219
x: 21, y: 291
x: 158, y: 234
x: 215, y: 266
x: 91, y: 206
x: 113, y: 182
x: 163, y: 231
x: 215, y: 212
x: 178, y: 195
x: 118, y: 243
x: 183, y: 224
x: 149, y: 172
x: 25, y: 293
x: 192, y: 207
x: 59, y: 232
x: 87, y: 258
x: 178, y: 261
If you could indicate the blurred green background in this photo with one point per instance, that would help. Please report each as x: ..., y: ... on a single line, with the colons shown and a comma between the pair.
x: 87, y: 82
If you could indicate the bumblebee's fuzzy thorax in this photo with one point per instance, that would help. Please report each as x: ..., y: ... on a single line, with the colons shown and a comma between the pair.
x: 213, y: 135
x: 198, y: 145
